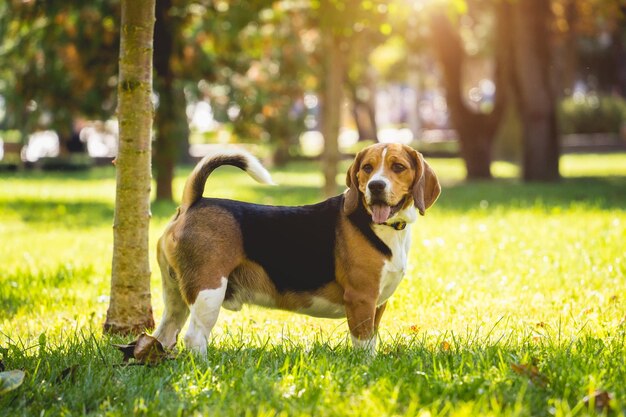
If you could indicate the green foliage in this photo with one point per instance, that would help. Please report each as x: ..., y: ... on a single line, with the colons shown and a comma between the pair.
x: 58, y: 62
x: 592, y: 114
x: 265, y: 73
x: 513, y: 305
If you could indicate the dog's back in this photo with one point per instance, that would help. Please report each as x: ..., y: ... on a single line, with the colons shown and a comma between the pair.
x: 294, y: 245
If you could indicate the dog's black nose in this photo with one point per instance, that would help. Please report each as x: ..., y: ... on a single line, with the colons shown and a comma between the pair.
x: 376, y: 186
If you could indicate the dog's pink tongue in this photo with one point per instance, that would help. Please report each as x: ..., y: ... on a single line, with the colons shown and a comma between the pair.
x: 380, y: 213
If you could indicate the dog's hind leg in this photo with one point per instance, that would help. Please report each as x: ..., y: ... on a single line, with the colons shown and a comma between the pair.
x: 204, y: 312
x: 176, y: 311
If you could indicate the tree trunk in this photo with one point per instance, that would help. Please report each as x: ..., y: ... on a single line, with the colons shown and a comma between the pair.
x: 534, y: 93
x: 619, y: 54
x: 283, y: 140
x: 476, y: 147
x: 130, y: 310
x: 413, y: 80
x: 364, y: 112
x: 476, y: 130
x: 331, y: 110
x: 172, y: 128
x: 172, y: 138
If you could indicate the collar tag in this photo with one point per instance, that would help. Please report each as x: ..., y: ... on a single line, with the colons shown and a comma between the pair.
x: 400, y: 225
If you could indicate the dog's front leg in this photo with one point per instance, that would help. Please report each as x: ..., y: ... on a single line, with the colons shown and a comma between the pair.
x: 361, y: 312
x: 379, y: 315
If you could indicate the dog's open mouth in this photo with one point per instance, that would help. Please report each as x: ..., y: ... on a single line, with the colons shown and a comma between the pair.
x: 381, y: 212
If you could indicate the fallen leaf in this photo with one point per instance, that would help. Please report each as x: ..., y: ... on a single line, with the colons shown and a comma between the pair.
x: 149, y: 350
x: 10, y: 380
x: 445, y: 346
x: 67, y: 372
x: 414, y: 328
x: 145, y: 350
x: 601, y: 400
x: 128, y: 350
x: 531, y: 372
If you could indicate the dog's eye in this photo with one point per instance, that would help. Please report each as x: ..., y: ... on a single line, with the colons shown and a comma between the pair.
x: 398, y: 167
x: 367, y: 168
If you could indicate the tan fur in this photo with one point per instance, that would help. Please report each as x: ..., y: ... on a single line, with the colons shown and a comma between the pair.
x: 358, y: 266
x: 253, y: 278
x: 203, y: 246
x: 426, y: 189
x: 418, y: 180
x: 351, y: 199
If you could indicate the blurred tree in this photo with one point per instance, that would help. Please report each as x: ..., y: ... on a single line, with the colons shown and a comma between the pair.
x: 476, y: 129
x: 61, y: 63
x: 171, y: 124
x: 340, y: 25
x: 368, y: 32
x: 589, y: 45
x: 362, y: 93
x: 259, y: 71
x: 534, y: 94
x: 57, y: 63
x: 285, y: 78
x: 269, y: 54
x: 130, y: 309
x: 523, y: 61
x: 333, y: 22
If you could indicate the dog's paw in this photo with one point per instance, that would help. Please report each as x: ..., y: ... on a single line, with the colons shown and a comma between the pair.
x: 195, y: 340
x: 367, y: 346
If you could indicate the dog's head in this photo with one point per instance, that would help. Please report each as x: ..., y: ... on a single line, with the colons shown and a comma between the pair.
x: 387, y: 178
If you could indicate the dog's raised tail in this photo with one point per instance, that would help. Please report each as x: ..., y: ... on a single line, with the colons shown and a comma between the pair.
x: 194, y: 187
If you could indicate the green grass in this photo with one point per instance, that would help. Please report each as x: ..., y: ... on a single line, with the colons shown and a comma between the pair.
x: 504, y: 276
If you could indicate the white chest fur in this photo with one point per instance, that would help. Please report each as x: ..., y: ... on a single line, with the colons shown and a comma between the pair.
x: 399, y: 241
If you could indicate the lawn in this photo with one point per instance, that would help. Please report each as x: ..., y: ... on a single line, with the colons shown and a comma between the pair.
x: 514, y: 304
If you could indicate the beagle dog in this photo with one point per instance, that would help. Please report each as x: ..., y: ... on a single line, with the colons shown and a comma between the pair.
x: 341, y: 258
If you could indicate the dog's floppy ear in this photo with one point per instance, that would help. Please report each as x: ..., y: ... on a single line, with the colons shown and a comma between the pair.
x: 351, y: 197
x: 426, y: 186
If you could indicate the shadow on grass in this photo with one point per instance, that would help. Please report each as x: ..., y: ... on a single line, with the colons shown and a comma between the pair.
x: 593, y: 192
x: 70, y: 215
x: 603, y: 193
x: 35, y: 175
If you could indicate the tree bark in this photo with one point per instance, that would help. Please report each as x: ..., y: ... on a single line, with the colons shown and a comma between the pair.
x: 172, y: 128
x: 130, y: 310
x: 476, y: 130
x: 331, y: 109
x: 534, y: 93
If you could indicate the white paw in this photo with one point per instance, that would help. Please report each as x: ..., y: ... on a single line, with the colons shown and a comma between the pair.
x: 195, y: 340
x: 368, y: 346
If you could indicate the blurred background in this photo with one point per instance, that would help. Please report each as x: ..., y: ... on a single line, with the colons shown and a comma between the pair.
x: 483, y: 80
